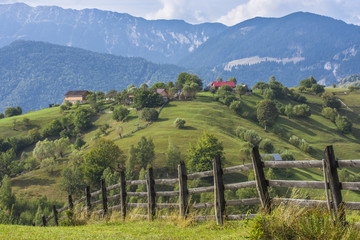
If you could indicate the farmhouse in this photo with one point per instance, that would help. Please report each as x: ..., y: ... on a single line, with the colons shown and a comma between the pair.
x: 74, y: 96
x: 162, y: 92
x: 216, y: 84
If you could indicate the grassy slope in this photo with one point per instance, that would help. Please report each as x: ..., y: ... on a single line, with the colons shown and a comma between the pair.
x: 203, y: 114
x: 128, y: 230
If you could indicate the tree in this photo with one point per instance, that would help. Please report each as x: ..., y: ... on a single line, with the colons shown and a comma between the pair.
x: 6, y: 162
x: 316, y: 88
x: 252, y: 137
x: 92, y: 100
x: 11, y: 111
x: 213, y: 90
x: 236, y: 107
x: 179, y: 123
x: 82, y: 119
x: 44, y: 149
x: 232, y: 79
x: 130, y: 163
x: 7, y: 199
x: 201, y: 154
x: 289, y: 111
x: 2, y: 115
x: 100, y: 95
x: 267, y: 146
x: 52, y: 129
x: 302, y: 110
x: 145, y: 152
x: 330, y: 100
x: 308, y: 82
x: 224, y: 89
x: 149, y: 114
x: 219, y: 79
x: 269, y: 94
x: 158, y: 85
x: 120, y: 113
x: 343, y: 124
x: 173, y: 157
x: 229, y: 98
x: 72, y: 181
x: 262, y: 86
x: 102, y: 155
x: 147, y: 98
x: 185, y: 77
x: 61, y: 146
x: 267, y: 112
x: 79, y: 142
x: 330, y: 113
x: 240, y: 89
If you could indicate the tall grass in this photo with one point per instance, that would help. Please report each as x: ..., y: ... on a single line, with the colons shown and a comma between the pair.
x: 293, y: 222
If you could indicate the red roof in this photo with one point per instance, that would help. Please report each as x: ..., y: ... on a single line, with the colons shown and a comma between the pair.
x: 219, y: 84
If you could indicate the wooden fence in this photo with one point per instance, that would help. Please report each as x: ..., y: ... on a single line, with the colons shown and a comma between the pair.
x: 331, y: 182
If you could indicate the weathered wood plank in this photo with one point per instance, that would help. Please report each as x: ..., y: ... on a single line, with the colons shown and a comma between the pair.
x: 137, y: 205
x: 348, y: 163
x: 95, y: 203
x: 299, y: 202
x: 167, y: 205
x: 261, y: 183
x: 335, y: 187
x: 219, y: 197
x: 239, y: 202
x: 296, y: 183
x: 80, y: 200
x: 352, y: 205
x: 293, y: 164
x: 193, y: 176
x: 201, y: 190
x: 135, y: 182
x: 239, y: 168
x: 170, y: 181
x: 63, y: 209
x: 167, y: 193
x: 205, y: 218
x: 150, y: 184
x: 112, y: 187
x: 203, y: 205
x: 113, y: 197
x: 137, y: 194
x: 98, y: 192
x: 183, y: 190
x: 354, y: 186
x: 234, y: 186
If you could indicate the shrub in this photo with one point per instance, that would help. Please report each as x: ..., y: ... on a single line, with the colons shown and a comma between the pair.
x: 236, y: 107
x: 330, y: 100
x: 240, y: 132
x: 343, y: 124
x: 302, y: 110
x: 149, y: 114
x: 229, y: 99
x: 329, y: 113
x: 79, y: 142
x: 304, y: 146
x: 294, y: 140
x: 267, y: 145
x: 252, y: 136
x: 179, y: 123
x: 287, y: 155
x: 120, y: 113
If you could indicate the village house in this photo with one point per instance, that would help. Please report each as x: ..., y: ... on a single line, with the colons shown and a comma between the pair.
x: 216, y: 84
x: 163, y: 93
x: 74, y: 96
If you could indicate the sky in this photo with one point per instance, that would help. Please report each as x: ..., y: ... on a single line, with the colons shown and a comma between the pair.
x: 228, y: 12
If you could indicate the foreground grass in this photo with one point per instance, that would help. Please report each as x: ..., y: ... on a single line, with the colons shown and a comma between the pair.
x: 128, y: 230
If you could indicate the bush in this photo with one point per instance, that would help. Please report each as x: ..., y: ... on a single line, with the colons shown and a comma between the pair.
x: 229, y: 99
x: 252, y: 136
x: 236, y: 107
x: 343, y: 124
x: 302, y: 110
x: 149, y: 114
x: 240, y: 132
x: 304, y: 146
x: 179, y: 123
x: 267, y: 145
x: 329, y: 113
x: 330, y: 100
x: 287, y: 156
x: 120, y: 113
x: 294, y: 140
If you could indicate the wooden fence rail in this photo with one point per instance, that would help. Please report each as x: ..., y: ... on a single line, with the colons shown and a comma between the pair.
x: 329, y: 165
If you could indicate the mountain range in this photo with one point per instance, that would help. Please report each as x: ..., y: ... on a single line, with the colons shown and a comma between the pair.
x: 291, y: 48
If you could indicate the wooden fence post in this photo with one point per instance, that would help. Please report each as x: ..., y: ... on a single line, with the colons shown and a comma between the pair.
x: 104, y: 197
x: 335, y: 187
x: 123, y: 194
x: 71, y: 204
x: 183, y: 190
x: 261, y: 183
x: 88, y: 199
x: 55, y: 216
x: 43, y: 219
x: 150, y: 183
x: 218, y: 191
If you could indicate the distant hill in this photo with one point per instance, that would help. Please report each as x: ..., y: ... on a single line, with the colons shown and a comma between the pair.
x: 291, y: 48
x: 353, y: 80
x: 161, y: 41
x: 34, y: 74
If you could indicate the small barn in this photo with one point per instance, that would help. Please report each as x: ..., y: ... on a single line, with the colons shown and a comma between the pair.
x: 74, y: 96
x: 216, y: 84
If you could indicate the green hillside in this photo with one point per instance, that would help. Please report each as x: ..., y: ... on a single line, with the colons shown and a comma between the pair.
x: 202, y: 114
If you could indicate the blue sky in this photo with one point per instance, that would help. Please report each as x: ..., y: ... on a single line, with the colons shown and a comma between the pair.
x: 228, y: 12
